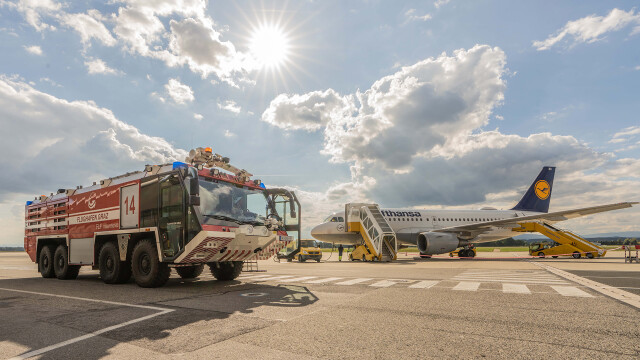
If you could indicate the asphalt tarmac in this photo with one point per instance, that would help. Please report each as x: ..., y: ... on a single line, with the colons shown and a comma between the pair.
x: 502, y: 306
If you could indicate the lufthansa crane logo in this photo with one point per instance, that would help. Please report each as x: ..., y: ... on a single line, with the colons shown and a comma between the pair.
x: 542, y: 189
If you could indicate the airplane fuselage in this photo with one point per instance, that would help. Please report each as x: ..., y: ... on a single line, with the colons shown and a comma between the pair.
x: 408, y: 223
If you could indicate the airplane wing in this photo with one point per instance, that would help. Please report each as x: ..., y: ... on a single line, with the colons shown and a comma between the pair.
x: 473, y: 230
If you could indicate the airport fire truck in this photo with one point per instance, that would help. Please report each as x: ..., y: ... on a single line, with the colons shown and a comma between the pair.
x: 182, y: 215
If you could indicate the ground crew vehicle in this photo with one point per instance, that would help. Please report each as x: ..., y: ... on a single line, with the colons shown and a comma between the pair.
x: 564, y: 242
x: 309, y: 250
x: 181, y: 215
x: 302, y: 250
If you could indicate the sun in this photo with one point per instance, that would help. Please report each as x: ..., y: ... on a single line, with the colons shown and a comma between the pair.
x: 269, y: 46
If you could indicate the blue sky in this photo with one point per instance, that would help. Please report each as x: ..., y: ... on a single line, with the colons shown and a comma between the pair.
x: 420, y: 104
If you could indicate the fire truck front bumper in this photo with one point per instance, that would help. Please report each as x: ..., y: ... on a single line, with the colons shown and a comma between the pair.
x: 242, y: 244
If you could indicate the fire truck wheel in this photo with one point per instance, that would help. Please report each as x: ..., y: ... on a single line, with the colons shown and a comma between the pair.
x: 112, y: 270
x: 226, y: 271
x: 61, y: 266
x: 190, y: 272
x: 45, y: 262
x: 147, y: 269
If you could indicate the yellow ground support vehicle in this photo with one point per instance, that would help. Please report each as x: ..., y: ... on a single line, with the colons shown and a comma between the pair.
x: 362, y: 253
x: 309, y: 250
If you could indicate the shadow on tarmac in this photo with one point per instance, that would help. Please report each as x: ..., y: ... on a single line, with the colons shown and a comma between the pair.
x: 200, y: 316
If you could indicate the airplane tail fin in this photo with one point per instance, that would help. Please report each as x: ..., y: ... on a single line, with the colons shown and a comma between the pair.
x: 538, y: 196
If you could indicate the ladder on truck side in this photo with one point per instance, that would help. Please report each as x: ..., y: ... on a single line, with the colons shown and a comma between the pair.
x: 379, y: 242
x: 568, y: 242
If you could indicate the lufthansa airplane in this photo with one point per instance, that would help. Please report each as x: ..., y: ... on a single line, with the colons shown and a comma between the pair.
x: 442, y: 231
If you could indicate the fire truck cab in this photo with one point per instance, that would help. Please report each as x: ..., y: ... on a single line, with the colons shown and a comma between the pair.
x: 182, y: 215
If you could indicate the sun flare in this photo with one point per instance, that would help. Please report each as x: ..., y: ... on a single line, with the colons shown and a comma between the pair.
x: 269, y: 46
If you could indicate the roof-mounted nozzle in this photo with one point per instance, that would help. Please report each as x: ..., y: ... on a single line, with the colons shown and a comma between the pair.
x: 204, y: 157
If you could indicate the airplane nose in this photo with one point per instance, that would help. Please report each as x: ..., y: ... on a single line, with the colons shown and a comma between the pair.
x: 315, y: 232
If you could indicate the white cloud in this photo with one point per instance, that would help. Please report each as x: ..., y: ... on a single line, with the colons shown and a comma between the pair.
x: 229, y: 134
x: 98, y: 66
x: 179, y: 92
x: 89, y: 26
x: 198, y: 116
x: 33, y: 10
x: 49, y: 81
x: 231, y: 106
x: 625, y: 135
x: 637, y: 67
x: 591, y: 28
x: 410, y: 15
x: 191, y: 38
x: 34, y: 49
x: 409, y: 113
x: 439, y: 3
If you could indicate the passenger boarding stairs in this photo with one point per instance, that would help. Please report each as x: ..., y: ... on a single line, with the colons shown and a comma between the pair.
x: 569, y: 243
x: 379, y: 242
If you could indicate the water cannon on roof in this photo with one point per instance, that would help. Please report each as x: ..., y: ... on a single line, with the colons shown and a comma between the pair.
x: 204, y: 157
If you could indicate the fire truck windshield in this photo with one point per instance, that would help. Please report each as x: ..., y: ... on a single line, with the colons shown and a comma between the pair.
x: 227, y: 202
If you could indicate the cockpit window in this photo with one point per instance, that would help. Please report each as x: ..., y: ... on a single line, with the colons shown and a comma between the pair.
x: 334, y: 219
x: 340, y: 219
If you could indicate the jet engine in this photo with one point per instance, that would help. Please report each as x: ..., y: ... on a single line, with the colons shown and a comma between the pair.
x: 432, y: 243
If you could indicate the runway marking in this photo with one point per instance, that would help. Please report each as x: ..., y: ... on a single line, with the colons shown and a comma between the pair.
x: 354, y: 281
x: 321, y: 281
x: 43, y: 350
x: 545, y: 282
x: 467, y: 286
x: 272, y: 278
x: 390, y: 282
x: 570, y: 291
x: 613, y: 292
x: 425, y: 284
x: 299, y: 279
x: 515, y: 288
x: 253, y: 277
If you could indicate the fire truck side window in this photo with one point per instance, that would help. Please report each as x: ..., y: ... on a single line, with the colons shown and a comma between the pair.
x: 149, y: 205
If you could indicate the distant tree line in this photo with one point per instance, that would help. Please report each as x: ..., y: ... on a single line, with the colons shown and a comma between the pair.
x: 510, y: 242
x: 11, y: 248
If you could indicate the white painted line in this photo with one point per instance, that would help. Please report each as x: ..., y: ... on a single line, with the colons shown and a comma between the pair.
x: 298, y: 279
x: 254, y: 277
x: 321, y: 281
x: 43, y: 350
x: 467, y: 286
x: 390, y: 282
x: 613, y: 292
x: 545, y: 282
x: 570, y: 291
x: 271, y: 278
x: 425, y: 284
x: 354, y: 281
x: 515, y: 288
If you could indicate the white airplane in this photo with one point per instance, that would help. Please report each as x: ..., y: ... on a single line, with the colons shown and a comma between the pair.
x: 442, y: 231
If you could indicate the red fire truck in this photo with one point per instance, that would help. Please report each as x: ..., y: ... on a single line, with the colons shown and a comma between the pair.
x: 181, y: 215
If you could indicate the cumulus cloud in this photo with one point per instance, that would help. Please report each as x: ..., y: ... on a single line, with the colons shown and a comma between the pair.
x: 140, y: 27
x: 179, y: 92
x: 230, y: 106
x: 34, y: 49
x: 198, y: 116
x: 421, y: 107
x: 72, y: 142
x: 591, y: 28
x: 229, y: 134
x: 98, y: 66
